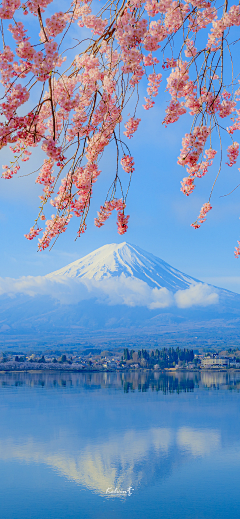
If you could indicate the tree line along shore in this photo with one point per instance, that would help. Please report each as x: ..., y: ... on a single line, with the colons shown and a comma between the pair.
x: 121, y: 360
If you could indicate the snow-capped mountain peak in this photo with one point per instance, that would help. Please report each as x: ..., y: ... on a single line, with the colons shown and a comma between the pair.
x: 124, y: 259
x: 115, y: 293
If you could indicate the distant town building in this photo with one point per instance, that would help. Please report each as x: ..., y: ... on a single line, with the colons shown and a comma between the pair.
x: 215, y: 362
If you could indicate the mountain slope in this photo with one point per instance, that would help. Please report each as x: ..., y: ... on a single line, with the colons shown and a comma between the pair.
x: 115, y: 295
x: 127, y: 260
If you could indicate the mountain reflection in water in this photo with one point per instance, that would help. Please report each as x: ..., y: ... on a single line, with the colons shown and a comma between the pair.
x: 82, y: 433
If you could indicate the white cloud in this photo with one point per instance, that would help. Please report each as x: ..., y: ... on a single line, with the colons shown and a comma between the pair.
x: 121, y: 290
x: 199, y: 294
x: 131, y: 291
x: 161, y: 298
x: 64, y: 290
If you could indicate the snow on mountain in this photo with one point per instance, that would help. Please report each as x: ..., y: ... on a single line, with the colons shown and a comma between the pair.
x: 116, y: 292
x: 126, y: 260
x: 119, y: 274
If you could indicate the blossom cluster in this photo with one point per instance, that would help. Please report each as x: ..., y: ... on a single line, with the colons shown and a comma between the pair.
x: 106, y: 211
x: 192, y: 147
x: 202, y: 215
x: 131, y: 127
x: 127, y: 164
x: 232, y: 153
x: 81, y: 110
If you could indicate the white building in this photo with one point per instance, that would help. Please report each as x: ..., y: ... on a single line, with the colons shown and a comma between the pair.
x: 216, y: 362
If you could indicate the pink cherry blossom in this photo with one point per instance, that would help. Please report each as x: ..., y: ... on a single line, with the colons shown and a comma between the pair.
x: 232, y: 153
x: 127, y: 163
x: 131, y: 127
x: 202, y: 215
x: 33, y: 233
x: 74, y: 111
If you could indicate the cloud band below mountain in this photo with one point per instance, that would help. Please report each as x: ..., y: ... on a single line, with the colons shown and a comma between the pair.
x: 121, y: 290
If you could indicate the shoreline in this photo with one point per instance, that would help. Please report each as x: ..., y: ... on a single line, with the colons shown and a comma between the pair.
x: 140, y: 370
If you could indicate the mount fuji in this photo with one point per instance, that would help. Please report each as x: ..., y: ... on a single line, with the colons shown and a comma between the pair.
x: 126, y: 260
x: 118, y: 294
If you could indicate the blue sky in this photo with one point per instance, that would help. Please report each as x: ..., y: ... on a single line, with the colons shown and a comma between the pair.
x: 160, y: 215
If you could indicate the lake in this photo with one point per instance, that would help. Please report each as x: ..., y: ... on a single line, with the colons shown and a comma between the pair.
x: 119, y: 445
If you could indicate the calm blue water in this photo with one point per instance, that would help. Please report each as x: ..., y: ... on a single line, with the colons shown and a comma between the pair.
x: 67, y: 438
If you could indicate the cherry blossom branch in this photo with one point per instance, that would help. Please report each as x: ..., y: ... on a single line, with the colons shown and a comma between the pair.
x: 81, y: 110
